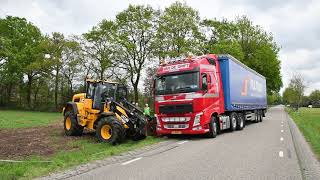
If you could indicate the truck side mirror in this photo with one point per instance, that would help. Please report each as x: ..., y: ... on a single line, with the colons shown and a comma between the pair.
x: 204, y: 82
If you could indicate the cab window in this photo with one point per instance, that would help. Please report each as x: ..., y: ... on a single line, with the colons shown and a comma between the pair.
x: 204, y: 81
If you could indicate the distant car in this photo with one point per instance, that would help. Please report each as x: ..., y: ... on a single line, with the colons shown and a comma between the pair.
x: 310, y: 106
x: 288, y: 105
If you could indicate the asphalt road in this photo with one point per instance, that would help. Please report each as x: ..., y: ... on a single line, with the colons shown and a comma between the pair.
x: 260, y: 151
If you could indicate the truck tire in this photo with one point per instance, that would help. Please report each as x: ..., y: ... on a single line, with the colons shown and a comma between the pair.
x: 71, y: 126
x: 256, y: 116
x: 260, y: 115
x: 233, y: 121
x: 241, y: 121
x: 110, y: 130
x: 213, y: 126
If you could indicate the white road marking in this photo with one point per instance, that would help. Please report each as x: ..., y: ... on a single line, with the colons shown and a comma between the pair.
x: 281, y: 125
x: 281, y: 130
x: 281, y: 139
x: 128, y: 162
x: 182, y: 142
x: 282, y: 122
x: 280, y: 153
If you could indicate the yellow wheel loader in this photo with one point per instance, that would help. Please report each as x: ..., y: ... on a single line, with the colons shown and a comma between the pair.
x: 105, y: 109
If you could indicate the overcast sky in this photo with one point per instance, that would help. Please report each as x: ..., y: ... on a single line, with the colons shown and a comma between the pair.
x: 295, y: 24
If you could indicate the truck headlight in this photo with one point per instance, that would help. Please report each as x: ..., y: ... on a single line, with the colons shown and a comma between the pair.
x: 197, y: 117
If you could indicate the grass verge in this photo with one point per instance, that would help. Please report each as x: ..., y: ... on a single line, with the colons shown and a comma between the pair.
x: 308, y: 121
x: 87, y: 151
x: 25, y: 135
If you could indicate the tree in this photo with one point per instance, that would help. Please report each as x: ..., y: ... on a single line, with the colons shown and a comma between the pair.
x: 293, y: 94
x: 178, y: 33
x: 260, y: 52
x: 248, y: 43
x: 21, y: 49
x: 314, y: 97
x: 136, y: 28
x: 220, y: 38
x: 99, y: 47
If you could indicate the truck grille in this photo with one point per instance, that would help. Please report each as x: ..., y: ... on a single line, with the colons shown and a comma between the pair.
x: 176, y: 126
x: 174, y: 109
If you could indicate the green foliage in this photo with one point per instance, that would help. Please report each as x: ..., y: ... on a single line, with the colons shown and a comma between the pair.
x: 293, y: 94
x: 99, y: 46
x: 308, y: 121
x: 43, y: 72
x: 136, y: 27
x: 274, y: 99
x: 248, y: 43
x: 178, y: 33
x: 314, y: 97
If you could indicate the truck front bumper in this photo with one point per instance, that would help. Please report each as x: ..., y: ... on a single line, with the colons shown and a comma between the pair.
x: 180, y: 131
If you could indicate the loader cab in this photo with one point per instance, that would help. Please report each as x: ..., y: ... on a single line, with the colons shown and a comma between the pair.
x: 102, y: 91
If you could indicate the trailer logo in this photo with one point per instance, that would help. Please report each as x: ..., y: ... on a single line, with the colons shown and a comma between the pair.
x: 254, y: 86
x: 244, y: 91
x: 176, y: 67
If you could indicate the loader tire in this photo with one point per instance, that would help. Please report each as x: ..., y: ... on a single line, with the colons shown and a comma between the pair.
x: 138, y: 137
x: 71, y: 126
x: 110, y: 130
x: 213, y: 128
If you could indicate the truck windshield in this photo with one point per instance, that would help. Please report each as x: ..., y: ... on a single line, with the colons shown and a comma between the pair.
x: 178, y: 83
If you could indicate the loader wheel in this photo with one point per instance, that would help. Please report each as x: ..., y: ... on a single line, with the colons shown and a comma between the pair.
x: 233, y: 121
x: 138, y: 137
x: 71, y: 126
x: 213, y: 126
x: 241, y: 121
x: 110, y: 130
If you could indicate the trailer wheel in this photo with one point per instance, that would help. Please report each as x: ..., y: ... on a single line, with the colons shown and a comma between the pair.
x: 256, y: 116
x: 233, y: 121
x: 241, y: 121
x: 109, y: 130
x: 261, y: 116
x: 71, y: 126
x: 213, y: 126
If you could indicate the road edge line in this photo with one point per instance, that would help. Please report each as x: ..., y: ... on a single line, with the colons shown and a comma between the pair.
x: 309, y: 164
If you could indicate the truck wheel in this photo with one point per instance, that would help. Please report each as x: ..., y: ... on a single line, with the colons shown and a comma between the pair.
x: 233, y: 121
x: 213, y: 126
x: 256, y: 116
x: 71, y: 126
x: 110, y: 130
x: 241, y: 121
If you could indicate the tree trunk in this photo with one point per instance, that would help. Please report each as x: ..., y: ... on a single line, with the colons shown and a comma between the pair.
x: 29, y: 86
x: 136, y: 94
x: 56, y: 88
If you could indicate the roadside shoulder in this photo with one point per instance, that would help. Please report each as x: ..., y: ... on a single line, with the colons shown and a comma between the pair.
x: 110, y: 160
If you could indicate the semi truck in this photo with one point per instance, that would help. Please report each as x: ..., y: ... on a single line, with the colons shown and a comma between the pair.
x: 206, y: 95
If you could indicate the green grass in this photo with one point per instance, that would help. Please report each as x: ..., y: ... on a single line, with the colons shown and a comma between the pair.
x: 308, y: 121
x: 88, y: 151
x: 11, y: 119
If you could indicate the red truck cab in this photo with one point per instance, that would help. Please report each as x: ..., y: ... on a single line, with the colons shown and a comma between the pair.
x: 188, y: 93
